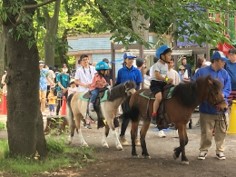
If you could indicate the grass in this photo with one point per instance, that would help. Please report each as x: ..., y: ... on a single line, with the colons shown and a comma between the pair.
x: 2, y: 126
x: 59, y: 156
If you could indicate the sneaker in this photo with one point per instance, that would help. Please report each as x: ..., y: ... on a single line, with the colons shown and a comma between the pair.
x: 202, y: 155
x: 161, y: 134
x: 220, y: 156
x: 91, y: 107
x: 123, y: 141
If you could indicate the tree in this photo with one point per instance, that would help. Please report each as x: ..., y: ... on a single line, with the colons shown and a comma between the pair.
x: 24, y: 123
x: 51, y: 24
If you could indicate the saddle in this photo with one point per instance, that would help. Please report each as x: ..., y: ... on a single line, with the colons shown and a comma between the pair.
x: 161, y: 119
x: 102, y: 96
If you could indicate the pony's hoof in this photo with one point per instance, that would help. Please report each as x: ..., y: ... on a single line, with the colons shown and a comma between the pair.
x: 84, y: 145
x: 147, y: 157
x: 135, y: 156
x: 120, y: 148
x: 175, y: 156
x: 185, y: 162
x: 105, y: 145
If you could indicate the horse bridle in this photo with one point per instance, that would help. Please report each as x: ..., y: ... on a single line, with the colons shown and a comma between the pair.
x: 216, y: 102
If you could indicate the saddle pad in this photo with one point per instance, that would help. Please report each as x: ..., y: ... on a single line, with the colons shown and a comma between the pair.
x: 169, y: 94
x: 86, y: 96
x: 147, y: 94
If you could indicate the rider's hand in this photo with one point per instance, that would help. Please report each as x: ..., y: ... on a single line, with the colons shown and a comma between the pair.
x: 170, y: 81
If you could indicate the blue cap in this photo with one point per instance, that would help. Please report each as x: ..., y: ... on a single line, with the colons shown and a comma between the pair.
x: 129, y: 55
x: 219, y: 55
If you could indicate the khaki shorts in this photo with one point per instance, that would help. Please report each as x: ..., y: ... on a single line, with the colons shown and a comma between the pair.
x: 42, y: 95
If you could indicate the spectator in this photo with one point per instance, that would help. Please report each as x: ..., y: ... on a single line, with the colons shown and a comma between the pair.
x: 128, y: 72
x: 231, y: 69
x: 187, y: 66
x: 183, y: 74
x: 210, y: 119
x: 44, y: 78
x: 63, y: 81
x: 3, y: 82
x: 51, y: 101
x: 173, y: 74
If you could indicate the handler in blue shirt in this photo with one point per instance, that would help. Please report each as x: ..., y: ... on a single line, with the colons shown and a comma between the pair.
x: 210, y: 119
x: 230, y: 67
x: 127, y: 73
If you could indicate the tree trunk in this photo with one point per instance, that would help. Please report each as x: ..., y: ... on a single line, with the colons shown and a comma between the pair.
x: 51, y: 34
x: 24, y: 120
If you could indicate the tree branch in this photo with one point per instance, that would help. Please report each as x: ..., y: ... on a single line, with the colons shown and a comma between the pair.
x: 38, y: 5
x: 31, y: 6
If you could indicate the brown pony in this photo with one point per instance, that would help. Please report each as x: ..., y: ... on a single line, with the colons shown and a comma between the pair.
x: 177, y: 110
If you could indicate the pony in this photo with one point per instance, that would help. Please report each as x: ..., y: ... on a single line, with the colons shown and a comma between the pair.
x: 176, y: 110
x: 77, y: 111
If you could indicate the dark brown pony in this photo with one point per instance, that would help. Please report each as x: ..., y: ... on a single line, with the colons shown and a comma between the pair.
x: 177, y: 110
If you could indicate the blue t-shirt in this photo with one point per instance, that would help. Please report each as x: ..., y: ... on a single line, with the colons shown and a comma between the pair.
x: 43, y: 79
x: 222, y: 76
x: 129, y: 74
x: 231, y: 69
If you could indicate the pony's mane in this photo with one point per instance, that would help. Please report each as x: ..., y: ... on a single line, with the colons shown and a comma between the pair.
x: 185, y: 93
x: 117, y: 91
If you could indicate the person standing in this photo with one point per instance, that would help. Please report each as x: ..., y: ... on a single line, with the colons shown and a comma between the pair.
x: 63, y: 81
x: 186, y: 66
x: 51, y: 101
x: 230, y: 67
x: 211, y: 119
x: 44, y: 78
x: 127, y: 73
x: 173, y: 74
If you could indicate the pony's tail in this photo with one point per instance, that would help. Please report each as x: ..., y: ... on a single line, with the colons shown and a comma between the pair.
x: 69, y: 115
x: 131, y: 113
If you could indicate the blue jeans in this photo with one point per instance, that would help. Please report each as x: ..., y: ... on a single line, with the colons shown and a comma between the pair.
x: 94, y: 94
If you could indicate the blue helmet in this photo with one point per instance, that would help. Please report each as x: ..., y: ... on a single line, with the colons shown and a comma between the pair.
x: 161, y: 50
x: 101, y: 66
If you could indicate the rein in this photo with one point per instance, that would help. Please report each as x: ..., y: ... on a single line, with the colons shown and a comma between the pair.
x: 219, y: 102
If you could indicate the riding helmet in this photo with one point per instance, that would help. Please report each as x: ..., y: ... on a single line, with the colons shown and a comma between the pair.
x: 161, y: 50
x: 101, y: 66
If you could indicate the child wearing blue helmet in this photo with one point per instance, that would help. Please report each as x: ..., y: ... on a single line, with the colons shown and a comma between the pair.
x: 98, y: 82
x: 159, y: 76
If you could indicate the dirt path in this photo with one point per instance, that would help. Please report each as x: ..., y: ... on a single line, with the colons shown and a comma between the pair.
x: 113, y: 163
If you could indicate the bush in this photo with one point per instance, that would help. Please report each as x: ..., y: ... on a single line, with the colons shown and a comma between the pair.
x: 2, y: 126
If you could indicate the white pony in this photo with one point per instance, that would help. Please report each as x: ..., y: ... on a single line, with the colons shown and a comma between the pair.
x: 77, y: 111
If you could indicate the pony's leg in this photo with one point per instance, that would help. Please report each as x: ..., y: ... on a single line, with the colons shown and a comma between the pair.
x: 118, y: 144
x: 81, y: 138
x: 183, y: 139
x: 104, y: 141
x: 134, y: 131
x: 143, y: 133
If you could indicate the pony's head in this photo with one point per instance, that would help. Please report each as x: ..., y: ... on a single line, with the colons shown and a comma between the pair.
x: 214, y: 95
x: 130, y: 87
x: 122, y: 90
